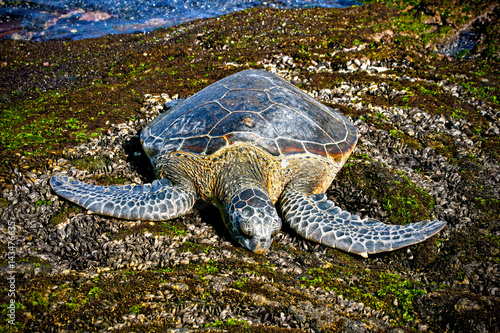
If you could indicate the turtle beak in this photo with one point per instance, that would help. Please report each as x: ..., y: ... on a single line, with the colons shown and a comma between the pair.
x: 255, y: 244
x: 260, y: 246
x: 260, y: 251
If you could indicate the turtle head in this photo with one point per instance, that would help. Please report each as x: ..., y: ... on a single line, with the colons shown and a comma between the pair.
x: 252, y: 220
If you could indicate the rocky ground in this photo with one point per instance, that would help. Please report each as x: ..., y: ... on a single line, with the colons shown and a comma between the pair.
x: 429, y: 148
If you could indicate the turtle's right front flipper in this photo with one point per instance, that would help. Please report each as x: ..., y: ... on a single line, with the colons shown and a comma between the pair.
x: 153, y: 202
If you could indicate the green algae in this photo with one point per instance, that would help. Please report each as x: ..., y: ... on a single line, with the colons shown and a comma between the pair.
x: 171, y: 228
x: 109, y: 180
x: 400, y: 198
x: 382, y: 291
x: 194, y: 247
x: 4, y: 203
x: 228, y: 324
x: 64, y: 215
x: 91, y: 163
x: 405, y: 201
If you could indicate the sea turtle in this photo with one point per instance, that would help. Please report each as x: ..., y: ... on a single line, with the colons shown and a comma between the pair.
x: 246, y: 143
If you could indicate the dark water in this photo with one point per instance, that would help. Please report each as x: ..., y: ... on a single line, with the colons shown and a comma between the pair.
x: 78, y: 19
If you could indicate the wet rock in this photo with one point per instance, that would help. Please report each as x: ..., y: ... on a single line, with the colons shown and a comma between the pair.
x: 203, y: 270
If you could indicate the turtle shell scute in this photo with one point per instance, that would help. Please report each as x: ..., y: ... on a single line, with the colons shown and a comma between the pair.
x: 255, y: 107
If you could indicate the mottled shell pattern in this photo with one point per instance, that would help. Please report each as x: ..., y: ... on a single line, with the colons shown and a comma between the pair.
x: 251, y: 106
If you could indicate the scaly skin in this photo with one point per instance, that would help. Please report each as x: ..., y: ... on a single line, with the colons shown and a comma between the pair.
x: 318, y: 219
x: 151, y: 202
x: 245, y: 182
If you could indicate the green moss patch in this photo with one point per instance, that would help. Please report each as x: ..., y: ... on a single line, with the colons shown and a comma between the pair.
x: 63, y: 216
x: 383, y: 291
x: 168, y: 228
x: 400, y: 198
x: 91, y: 163
x: 195, y: 247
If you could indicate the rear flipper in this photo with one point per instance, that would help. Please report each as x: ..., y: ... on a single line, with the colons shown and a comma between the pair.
x: 153, y: 202
x: 318, y: 219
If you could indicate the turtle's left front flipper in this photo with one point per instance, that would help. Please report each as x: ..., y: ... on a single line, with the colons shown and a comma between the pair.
x: 153, y: 202
x: 318, y: 219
